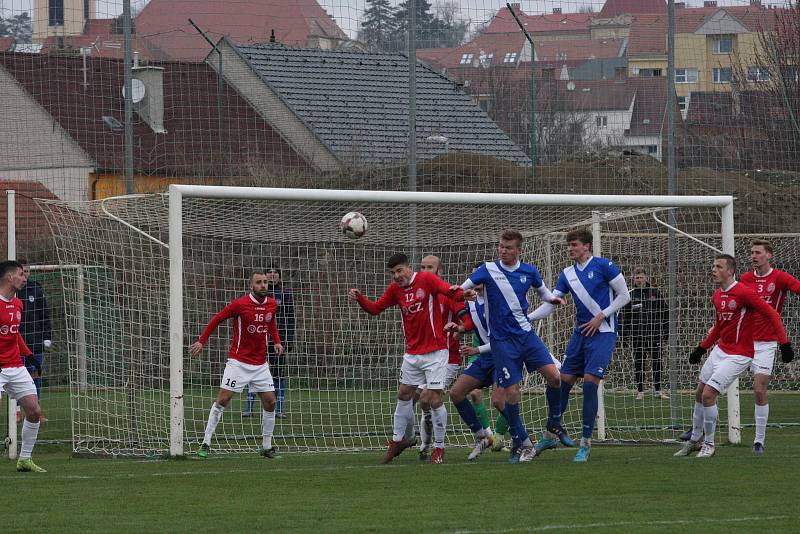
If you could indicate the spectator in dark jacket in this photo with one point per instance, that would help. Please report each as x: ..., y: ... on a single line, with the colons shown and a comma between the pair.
x: 35, y: 325
x: 643, y: 326
x: 286, y: 329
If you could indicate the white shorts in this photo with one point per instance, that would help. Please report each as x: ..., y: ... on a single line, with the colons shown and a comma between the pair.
x: 17, y: 382
x: 451, y: 374
x: 721, y: 369
x: 427, y: 370
x: 764, y: 359
x: 237, y: 375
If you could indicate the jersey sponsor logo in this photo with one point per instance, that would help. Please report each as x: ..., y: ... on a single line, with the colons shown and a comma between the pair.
x: 523, y: 279
x: 771, y: 288
x: 732, y: 304
x: 590, y: 275
x: 6, y: 329
x: 260, y: 329
x: 31, y: 298
x: 420, y: 293
x: 268, y: 317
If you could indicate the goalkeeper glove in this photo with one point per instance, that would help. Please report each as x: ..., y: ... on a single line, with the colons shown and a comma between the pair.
x: 697, y: 354
x: 787, y: 352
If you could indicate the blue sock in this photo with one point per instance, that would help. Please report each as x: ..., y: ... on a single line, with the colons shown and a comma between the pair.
x: 251, y: 397
x: 280, y: 394
x: 515, y: 424
x: 553, y: 396
x: 589, y: 408
x: 468, y: 414
x: 565, y: 389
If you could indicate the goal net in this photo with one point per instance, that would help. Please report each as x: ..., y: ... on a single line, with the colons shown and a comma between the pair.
x: 135, y: 389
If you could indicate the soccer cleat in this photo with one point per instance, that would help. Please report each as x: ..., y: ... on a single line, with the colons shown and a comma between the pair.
x: 424, y: 452
x: 513, y: 458
x: 247, y: 414
x: 582, y: 456
x: 543, y: 444
x: 526, y: 454
x: 480, y: 445
x: 395, y: 448
x: 498, y: 442
x: 281, y: 415
x: 663, y: 395
x: 203, y: 451
x: 688, y: 448
x: 561, y: 434
x: 438, y: 456
x: 758, y: 448
x: 686, y: 436
x: 706, y: 451
x: 27, y: 466
x: 639, y: 395
x: 269, y: 453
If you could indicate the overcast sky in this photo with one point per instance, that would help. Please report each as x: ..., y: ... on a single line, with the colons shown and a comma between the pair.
x: 348, y: 12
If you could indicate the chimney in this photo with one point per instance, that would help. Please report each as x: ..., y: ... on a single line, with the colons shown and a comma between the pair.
x: 556, y: 11
x: 151, y: 107
x: 710, y: 3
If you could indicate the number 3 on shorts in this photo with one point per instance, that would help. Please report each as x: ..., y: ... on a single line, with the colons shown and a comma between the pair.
x: 506, y: 373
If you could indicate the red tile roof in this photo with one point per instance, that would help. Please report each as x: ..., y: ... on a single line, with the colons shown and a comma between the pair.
x: 99, y: 38
x: 498, y: 44
x: 191, y: 144
x: 613, y: 8
x: 503, y: 22
x: 568, y: 49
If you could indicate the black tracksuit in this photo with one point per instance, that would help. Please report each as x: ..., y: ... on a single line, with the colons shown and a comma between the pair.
x: 644, y: 323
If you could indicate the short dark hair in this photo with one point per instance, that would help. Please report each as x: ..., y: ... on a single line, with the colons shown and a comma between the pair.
x: 640, y: 270
x: 729, y: 260
x: 23, y: 261
x: 762, y: 243
x: 397, y: 259
x: 275, y: 270
x: 9, y: 266
x: 580, y: 234
x: 509, y: 234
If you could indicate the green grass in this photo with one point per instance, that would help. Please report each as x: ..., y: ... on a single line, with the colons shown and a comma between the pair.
x: 622, y: 489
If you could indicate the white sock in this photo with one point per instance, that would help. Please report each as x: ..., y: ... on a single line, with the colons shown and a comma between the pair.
x: 762, y: 415
x: 710, y: 414
x: 267, y: 428
x: 411, y: 427
x: 697, y: 421
x: 403, y: 413
x: 586, y: 442
x: 439, y: 416
x: 213, y: 420
x: 29, y: 433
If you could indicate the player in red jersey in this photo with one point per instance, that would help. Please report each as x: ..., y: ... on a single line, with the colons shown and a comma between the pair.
x: 771, y: 285
x: 14, y: 377
x: 736, y: 307
x: 254, y: 319
x: 426, y: 354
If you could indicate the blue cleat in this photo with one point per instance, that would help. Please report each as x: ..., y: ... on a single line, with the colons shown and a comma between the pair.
x: 543, y: 444
x: 582, y: 456
x: 686, y: 436
x: 515, y: 455
x: 758, y: 448
x: 561, y: 434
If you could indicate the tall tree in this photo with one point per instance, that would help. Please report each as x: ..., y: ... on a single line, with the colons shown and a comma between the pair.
x: 434, y: 29
x: 379, y: 26
x: 19, y: 26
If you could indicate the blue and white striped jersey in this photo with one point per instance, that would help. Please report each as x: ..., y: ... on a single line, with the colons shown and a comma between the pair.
x: 477, y: 312
x: 591, y: 289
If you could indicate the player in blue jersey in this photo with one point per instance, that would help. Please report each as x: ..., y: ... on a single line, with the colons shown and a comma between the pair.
x: 514, y: 344
x: 599, y: 291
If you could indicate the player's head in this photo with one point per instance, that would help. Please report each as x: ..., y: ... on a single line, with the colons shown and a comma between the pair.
x: 431, y: 264
x: 273, y: 276
x: 640, y: 278
x: 12, y: 275
x: 724, y: 269
x: 400, y: 268
x: 258, y: 284
x: 26, y: 266
x: 761, y: 252
x: 579, y: 244
x: 510, y: 246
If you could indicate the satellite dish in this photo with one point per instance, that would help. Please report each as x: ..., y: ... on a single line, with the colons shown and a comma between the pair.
x: 137, y: 91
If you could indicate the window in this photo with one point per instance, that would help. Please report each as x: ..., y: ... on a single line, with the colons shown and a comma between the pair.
x: 562, y: 56
x: 466, y: 59
x: 757, y: 74
x: 56, y: 13
x: 85, y: 9
x: 722, y: 44
x: 510, y: 57
x: 722, y: 75
x: 649, y: 73
x: 685, y: 75
x: 602, y: 121
x: 683, y: 105
x: 652, y: 149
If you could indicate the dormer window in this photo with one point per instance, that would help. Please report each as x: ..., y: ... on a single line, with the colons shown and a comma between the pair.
x: 466, y: 59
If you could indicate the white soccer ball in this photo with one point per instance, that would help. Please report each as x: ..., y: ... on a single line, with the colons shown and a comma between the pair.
x: 353, y: 225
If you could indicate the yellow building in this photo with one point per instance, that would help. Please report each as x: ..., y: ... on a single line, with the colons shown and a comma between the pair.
x: 61, y: 18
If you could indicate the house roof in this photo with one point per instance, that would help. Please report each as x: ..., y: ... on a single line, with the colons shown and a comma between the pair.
x: 567, y: 49
x: 357, y: 104
x: 99, y: 37
x: 167, y: 27
x: 503, y: 22
x: 191, y: 144
x: 613, y: 8
x: 498, y: 44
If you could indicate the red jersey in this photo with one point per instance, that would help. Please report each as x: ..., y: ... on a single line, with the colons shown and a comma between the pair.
x: 12, y: 346
x: 450, y: 311
x: 736, y: 309
x: 771, y: 287
x: 422, y: 322
x: 252, y: 321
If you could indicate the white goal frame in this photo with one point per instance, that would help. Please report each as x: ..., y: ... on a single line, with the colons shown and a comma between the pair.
x: 178, y: 192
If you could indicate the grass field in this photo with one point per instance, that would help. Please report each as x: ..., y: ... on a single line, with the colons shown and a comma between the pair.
x: 622, y: 489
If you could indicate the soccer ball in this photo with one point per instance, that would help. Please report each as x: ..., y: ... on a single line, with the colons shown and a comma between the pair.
x: 353, y: 225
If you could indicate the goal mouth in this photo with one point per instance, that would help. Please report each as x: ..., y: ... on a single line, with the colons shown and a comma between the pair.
x: 158, y: 276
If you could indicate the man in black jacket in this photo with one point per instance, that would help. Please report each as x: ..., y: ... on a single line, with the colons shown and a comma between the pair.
x: 643, y: 326
x: 286, y: 329
x: 35, y: 325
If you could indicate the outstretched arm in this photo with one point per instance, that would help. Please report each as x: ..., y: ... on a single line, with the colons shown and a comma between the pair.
x: 228, y: 311
x: 373, y: 308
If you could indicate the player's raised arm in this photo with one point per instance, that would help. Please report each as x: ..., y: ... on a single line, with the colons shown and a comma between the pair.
x: 373, y: 308
x: 226, y: 313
